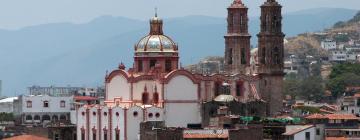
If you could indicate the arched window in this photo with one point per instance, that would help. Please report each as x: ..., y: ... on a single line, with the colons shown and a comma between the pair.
x: 243, y: 56
x: 145, y: 98
x: 140, y: 66
x: 168, y: 65
x: 28, y: 117
x: 37, y: 117
x: 239, y: 88
x: 62, y: 117
x: 55, y: 118
x: 156, y: 98
x: 46, y: 118
x: 263, y: 55
x: 276, y: 53
x: 230, y: 57
x: 217, y: 88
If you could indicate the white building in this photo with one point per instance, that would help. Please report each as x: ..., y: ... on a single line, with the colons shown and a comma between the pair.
x: 328, y: 44
x: 300, y: 132
x: 42, y: 108
x: 6, y: 105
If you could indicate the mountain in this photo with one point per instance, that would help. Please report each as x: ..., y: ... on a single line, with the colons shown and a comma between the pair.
x: 80, y: 54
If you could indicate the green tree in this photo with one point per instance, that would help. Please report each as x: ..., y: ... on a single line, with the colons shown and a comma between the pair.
x: 343, y: 75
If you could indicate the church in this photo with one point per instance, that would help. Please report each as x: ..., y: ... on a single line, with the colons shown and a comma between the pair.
x: 156, y: 88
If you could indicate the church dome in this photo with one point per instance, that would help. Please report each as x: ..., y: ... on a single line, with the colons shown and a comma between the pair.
x: 156, y: 41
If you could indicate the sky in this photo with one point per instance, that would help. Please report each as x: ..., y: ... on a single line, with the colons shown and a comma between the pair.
x: 15, y: 14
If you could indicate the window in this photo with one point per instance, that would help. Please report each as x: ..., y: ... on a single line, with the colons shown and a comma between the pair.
x: 263, y: 55
x: 168, y: 66
x: 145, y: 98
x: 239, y: 89
x: 152, y: 63
x: 151, y: 115
x: 56, y: 137
x: 317, y: 131
x: 157, y: 115
x: 156, y: 98
x: 135, y: 113
x: 243, y: 56
x: 62, y: 104
x: 94, y: 136
x: 217, y: 88
x: 140, y: 66
x: 46, y: 104
x: 28, y: 117
x: 105, y: 135
x: 117, y: 134
x: 230, y: 59
x: 28, y: 104
x: 307, y: 136
x: 82, y: 135
x: 276, y: 59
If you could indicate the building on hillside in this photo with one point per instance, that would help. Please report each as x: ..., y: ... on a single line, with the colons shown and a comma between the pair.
x: 350, y: 104
x: 157, y: 89
x: 328, y: 44
x: 300, y: 132
x: 67, y: 91
x: 291, y: 65
x: 6, y: 105
x: 42, y: 109
x: 335, y: 125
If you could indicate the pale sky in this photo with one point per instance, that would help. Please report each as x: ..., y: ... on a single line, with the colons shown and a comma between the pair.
x: 19, y: 13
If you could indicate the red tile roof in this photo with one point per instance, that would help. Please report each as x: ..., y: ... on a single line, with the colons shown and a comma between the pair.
x: 196, y: 134
x: 85, y: 98
x: 26, y: 137
x: 342, y: 117
x: 336, y: 138
x: 316, y: 116
x: 357, y: 95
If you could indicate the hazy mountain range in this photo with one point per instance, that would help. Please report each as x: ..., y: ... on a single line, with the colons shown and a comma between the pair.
x: 80, y: 54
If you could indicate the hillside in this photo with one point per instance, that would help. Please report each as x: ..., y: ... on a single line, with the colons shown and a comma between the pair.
x: 309, y: 43
x: 80, y: 54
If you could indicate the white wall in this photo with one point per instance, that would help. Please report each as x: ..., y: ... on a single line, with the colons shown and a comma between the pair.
x: 54, y: 104
x: 181, y: 88
x: 118, y: 87
x: 118, y: 122
x: 93, y: 117
x: 181, y: 114
x: 134, y: 122
x: 81, y: 122
x: 105, y: 121
x: 301, y: 135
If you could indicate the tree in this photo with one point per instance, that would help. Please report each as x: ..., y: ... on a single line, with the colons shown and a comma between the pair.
x: 343, y: 75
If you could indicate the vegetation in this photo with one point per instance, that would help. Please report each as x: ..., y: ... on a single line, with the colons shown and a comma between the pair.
x: 343, y: 75
x: 6, y: 116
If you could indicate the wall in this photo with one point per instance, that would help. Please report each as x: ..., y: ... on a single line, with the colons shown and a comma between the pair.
x: 118, y: 87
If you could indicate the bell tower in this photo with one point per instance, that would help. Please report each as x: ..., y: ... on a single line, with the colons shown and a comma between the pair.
x: 271, y: 55
x: 237, y: 39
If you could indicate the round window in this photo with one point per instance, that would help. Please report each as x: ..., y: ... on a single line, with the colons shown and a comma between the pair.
x: 157, y: 115
x: 135, y: 113
x: 151, y: 115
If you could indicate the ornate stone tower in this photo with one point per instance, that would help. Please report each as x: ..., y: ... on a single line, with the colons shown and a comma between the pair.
x: 271, y: 55
x: 237, y: 40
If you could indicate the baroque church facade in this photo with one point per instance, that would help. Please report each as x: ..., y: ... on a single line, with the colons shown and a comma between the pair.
x: 157, y: 89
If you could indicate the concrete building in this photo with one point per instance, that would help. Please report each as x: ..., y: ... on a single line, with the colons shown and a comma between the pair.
x: 67, y: 91
x: 328, y: 44
x: 6, y: 105
x: 42, y: 109
x: 300, y: 132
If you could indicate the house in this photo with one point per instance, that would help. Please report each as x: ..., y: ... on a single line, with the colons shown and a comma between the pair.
x: 299, y: 132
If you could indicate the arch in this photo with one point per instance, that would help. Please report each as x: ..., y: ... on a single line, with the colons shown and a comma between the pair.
x: 62, y: 117
x: 46, y: 118
x: 185, y: 73
x: 28, y: 117
x: 36, y: 117
x: 55, y: 118
x: 115, y: 73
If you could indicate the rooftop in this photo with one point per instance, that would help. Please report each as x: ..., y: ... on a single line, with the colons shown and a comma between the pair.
x: 294, y: 129
x: 85, y: 98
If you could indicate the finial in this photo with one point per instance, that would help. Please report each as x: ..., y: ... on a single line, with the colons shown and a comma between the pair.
x: 156, y: 11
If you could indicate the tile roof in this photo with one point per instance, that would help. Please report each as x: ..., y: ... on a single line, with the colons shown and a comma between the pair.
x: 296, y: 129
x: 316, y: 116
x: 85, y: 98
x: 333, y: 116
x: 196, y: 134
x: 342, y: 117
x: 26, y: 137
x: 357, y: 95
x: 336, y: 138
